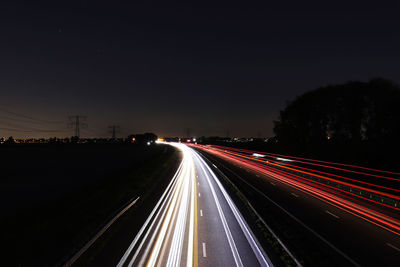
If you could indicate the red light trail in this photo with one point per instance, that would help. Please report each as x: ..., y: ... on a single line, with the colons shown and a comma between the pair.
x: 324, y: 184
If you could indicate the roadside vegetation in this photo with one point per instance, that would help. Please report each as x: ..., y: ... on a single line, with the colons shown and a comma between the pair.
x: 48, y: 233
x: 355, y: 122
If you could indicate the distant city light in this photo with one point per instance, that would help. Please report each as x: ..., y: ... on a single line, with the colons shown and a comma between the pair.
x: 148, y: 143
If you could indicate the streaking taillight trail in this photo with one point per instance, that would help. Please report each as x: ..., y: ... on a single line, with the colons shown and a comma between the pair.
x: 370, y: 200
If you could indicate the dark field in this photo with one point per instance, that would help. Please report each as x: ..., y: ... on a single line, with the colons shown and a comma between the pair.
x: 56, y: 197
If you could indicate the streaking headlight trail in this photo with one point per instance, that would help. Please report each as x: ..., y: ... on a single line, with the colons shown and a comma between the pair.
x: 195, y: 223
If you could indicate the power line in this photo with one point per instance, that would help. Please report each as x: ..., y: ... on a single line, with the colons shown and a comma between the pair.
x: 13, y: 121
x: 77, y: 122
x: 20, y: 120
x: 227, y: 133
x: 187, y: 132
x: 114, y: 129
x: 15, y: 130
x: 27, y: 117
x: 30, y: 129
x: 89, y: 130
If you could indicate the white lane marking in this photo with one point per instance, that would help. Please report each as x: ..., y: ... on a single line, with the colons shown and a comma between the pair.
x: 334, y: 215
x: 228, y: 233
x: 199, y: 195
x: 247, y: 232
x: 215, y: 166
x: 294, y: 194
x: 204, y: 250
x: 272, y: 183
x: 257, y: 175
x: 299, y: 221
x: 394, y: 247
x: 201, y: 212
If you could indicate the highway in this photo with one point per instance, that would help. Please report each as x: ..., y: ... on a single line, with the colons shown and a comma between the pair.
x: 195, y: 223
x: 335, y: 223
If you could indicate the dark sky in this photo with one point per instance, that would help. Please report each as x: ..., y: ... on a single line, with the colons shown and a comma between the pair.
x: 163, y: 68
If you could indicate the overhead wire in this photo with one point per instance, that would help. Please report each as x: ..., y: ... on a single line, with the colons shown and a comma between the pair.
x: 17, y: 114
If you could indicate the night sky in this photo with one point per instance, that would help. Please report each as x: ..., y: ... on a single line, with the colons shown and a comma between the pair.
x: 164, y: 68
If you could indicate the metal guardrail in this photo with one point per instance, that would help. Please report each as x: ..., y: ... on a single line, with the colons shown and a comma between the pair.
x: 356, y: 191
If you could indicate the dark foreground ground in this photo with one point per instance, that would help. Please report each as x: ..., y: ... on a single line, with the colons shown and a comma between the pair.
x: 55, y: 198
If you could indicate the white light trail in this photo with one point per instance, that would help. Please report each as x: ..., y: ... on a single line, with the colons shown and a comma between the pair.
x: 170, y: 223
x: 169, y: 235
x: 264, y: 261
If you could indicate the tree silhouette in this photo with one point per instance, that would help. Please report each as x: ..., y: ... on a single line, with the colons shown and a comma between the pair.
x: 354, y: 114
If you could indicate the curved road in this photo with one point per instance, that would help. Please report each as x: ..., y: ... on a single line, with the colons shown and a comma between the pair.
x: 195, y: 223
x: 324, y: 233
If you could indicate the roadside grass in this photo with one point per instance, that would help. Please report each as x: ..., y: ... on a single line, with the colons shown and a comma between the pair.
x: 49, y: 233
x: 132, y: 220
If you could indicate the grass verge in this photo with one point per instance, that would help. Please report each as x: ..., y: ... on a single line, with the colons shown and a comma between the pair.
x: 50, y: 233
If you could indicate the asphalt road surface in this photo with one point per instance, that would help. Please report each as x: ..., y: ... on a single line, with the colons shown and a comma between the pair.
x: 353, y: 240
x: 195, y: 223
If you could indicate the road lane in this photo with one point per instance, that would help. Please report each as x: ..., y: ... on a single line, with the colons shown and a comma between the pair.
x: 355, y: 239
x: 195, y: 223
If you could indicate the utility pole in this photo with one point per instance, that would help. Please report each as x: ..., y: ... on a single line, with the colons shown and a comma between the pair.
x: 114, y: 129
x: 187, y: 130
x: 77, y: 122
